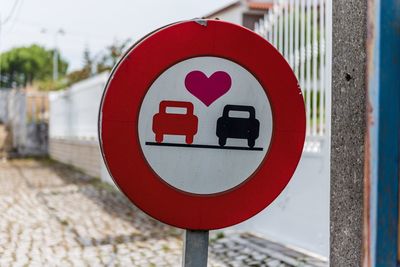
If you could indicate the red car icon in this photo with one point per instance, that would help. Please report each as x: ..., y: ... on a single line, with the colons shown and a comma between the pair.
x: 174, y: 123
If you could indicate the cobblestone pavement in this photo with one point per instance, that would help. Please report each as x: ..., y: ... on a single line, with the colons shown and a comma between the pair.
x: 248, y: 250
x: 52, y: 215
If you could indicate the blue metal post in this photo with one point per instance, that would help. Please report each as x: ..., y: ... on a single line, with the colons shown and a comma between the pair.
x: 382, y: 171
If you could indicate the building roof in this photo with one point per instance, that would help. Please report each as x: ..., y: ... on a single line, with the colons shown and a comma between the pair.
x: 252, y: 5
x: 260, y: 5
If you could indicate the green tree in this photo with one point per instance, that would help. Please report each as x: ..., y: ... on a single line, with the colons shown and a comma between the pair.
x: 103, y: 61
x: 21, y: 66
x: 88, y: 60
x: 83, y: 73
x: 112, y: 54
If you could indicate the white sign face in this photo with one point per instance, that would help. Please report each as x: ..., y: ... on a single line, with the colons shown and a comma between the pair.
x: 205, y: 125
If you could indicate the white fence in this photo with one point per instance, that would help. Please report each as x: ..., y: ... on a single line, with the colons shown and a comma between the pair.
x: 301, y: 31
x: 13, y: 113
x: 25, y: 114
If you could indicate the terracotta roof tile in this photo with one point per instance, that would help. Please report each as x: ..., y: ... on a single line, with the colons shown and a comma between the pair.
x: 260, y: 5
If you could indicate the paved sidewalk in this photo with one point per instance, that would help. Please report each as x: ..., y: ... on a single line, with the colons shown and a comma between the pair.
x: 248, y: 250
x: 52, y: 215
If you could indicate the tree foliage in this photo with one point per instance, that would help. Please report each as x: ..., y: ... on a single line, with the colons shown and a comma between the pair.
x: 83, y: 73
x: 23, y: 65
x: 104, y: 61
x: 113, y: 53
x: 34, y: 64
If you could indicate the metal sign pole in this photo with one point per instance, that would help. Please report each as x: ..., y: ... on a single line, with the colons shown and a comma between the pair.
x: 195, y: 248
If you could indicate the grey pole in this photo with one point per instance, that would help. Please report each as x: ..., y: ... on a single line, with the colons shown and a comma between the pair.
x: 195, y: 248
x: 55, y: 55
x: 55, y: 63
x: 349, y: 126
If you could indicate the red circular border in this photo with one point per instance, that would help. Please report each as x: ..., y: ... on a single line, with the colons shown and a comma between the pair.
x: 120, y: 107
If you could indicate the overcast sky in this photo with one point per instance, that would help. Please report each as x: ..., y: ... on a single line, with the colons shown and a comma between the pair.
x: 91, y: 23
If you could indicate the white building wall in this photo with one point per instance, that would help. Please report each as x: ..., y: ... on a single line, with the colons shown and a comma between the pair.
x: 233, y: 14
x: 299, y: 217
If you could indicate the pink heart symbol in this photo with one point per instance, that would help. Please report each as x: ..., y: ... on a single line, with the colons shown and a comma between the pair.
x: 207, y: 90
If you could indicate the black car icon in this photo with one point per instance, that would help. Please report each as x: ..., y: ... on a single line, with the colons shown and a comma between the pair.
x: 235, y: 127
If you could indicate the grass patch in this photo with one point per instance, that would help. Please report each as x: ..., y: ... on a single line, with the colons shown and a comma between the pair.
x: 99, y: 184
x: 166, y: 248
x: 217, y: 236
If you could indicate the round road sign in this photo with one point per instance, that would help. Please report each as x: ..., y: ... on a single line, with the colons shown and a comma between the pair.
x: 202, y: 124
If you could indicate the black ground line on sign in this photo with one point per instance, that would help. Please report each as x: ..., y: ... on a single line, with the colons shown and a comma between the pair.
x: 204, y: 146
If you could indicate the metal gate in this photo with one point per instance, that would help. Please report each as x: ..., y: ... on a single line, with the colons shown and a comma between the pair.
x: 301, y: 31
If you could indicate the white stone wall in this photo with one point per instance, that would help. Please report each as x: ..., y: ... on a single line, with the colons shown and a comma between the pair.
x: 74, y: 111
x: 84, y: 155
x: 73, y: 137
